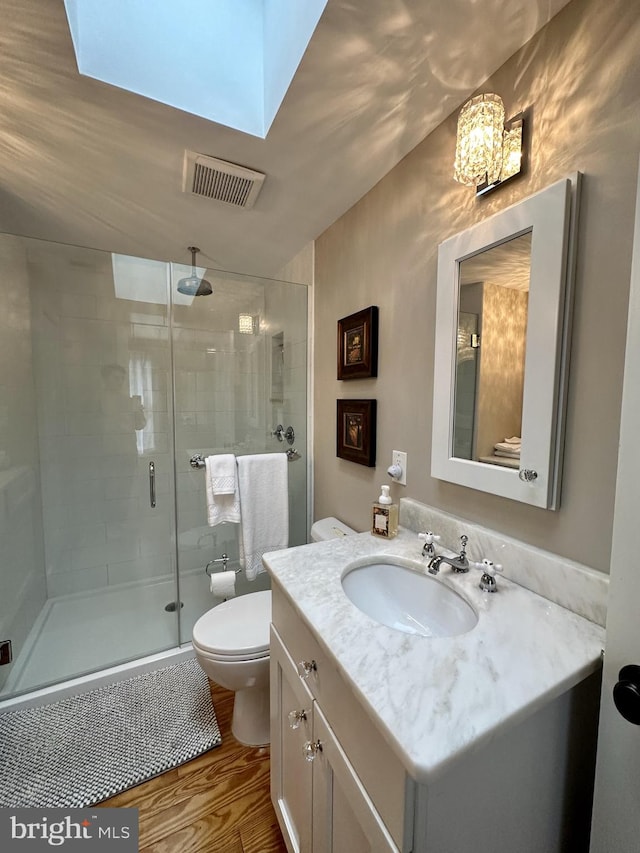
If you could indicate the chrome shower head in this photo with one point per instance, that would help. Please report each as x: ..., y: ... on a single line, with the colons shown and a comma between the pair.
x: 192, y: 285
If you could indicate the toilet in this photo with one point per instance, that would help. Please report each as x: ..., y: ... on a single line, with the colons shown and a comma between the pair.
x: 329, y: 528
x: 231, y: 642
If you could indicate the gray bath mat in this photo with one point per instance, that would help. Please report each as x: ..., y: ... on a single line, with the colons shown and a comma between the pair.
x: 84, y: 749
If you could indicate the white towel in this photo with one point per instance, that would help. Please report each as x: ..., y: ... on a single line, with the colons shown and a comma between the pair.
x: 220, y: 507
x: 508, y: 454
x: 507, y: 447
x: 264, y: 498
x: 222, y: 471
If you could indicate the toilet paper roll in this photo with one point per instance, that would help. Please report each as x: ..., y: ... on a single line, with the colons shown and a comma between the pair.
x: 223, y: 584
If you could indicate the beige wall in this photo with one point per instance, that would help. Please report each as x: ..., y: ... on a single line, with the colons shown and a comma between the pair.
x: 300, y: 268
x: 580, y: 77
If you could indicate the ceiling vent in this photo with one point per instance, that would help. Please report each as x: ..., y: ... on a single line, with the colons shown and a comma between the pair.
x: 222, y: 181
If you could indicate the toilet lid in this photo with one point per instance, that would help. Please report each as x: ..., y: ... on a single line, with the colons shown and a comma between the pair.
x: 237, y: 627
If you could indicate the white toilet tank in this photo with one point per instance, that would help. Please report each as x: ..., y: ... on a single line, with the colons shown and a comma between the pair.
x: 329, y: 528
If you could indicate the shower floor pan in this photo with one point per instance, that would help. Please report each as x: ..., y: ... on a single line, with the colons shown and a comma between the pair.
x: 84, y: 633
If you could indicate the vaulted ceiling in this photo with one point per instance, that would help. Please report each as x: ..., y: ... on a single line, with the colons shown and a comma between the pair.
x: 85, y: 163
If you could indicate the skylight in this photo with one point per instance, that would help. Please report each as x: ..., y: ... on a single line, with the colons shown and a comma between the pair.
x: 229, y: 61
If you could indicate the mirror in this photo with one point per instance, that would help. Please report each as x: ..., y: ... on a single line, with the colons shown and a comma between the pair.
x: 493, y: 298
x: 502, y: 330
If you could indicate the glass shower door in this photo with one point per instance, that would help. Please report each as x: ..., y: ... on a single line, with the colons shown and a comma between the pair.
x: 110, y: 381
x: 100, y: 361
x: 22, y: 573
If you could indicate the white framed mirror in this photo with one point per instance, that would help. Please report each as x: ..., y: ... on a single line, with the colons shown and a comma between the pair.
x: 503, y: 316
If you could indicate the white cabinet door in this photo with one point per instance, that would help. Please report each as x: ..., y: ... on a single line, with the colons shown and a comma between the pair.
x: 616, y: 817
x: 321, y: 804
x: 291, y: 773
x: 344, y: 818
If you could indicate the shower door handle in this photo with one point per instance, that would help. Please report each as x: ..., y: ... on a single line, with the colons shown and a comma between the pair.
x: 152, y: 484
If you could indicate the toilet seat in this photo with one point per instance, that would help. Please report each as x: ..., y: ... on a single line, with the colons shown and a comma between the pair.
x: 236, y: 630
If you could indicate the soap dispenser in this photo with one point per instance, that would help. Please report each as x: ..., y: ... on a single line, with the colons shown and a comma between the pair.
x: 385, y: 516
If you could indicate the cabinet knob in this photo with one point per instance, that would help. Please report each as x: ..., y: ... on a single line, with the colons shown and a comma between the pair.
x: 626, y: 693
x: 311, y: 749
x: 306, y: 667
x: 528, y: 475
x: 296, y: 717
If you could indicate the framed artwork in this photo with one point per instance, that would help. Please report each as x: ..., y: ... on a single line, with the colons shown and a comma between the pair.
x: 358, y: 344
x: 356, y: 431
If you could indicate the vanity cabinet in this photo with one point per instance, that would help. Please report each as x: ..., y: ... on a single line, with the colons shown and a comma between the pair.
x: 318, y: 733
x: 526, y: 789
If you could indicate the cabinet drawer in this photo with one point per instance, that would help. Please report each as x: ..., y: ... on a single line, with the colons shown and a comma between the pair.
x: 298, y: 686
x: 373, y: 760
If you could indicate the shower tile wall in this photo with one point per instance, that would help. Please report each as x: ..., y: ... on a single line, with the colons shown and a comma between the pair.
x: 219, y: 377
x: 21, y: 535
x: 94, y: 354
x: 220, y: 408
x: 225, y: 404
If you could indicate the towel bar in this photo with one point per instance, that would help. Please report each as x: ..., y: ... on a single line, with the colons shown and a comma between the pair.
x: 197, y: 460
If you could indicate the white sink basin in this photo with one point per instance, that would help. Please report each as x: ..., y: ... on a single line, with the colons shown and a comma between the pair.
x: 402, y: 598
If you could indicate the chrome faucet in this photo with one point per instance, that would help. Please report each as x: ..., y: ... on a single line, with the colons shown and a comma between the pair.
x: 459, y: 564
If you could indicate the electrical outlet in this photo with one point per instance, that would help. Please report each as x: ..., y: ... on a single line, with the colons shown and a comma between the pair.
x: 399, y: 457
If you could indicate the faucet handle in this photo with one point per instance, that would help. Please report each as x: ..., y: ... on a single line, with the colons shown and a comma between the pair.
x: 488, y: 579
x: 489, y: 566
x: 429, y: 537
x: 428, y: 549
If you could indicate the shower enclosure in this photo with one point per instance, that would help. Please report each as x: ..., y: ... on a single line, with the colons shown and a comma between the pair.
x: 111, y: 381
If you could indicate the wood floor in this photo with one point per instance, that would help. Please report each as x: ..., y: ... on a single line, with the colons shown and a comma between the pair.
x: 219, y: 802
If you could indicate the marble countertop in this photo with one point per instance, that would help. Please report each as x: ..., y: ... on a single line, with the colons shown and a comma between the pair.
x: 434, y: 699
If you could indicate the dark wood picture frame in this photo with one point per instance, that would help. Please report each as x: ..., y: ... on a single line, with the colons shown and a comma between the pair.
x: 356, y: 431
x: 358, y: 344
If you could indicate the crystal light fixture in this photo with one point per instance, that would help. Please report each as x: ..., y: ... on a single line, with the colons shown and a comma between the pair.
x: 512, y: 150
x: 247, y: 324
x: 487, y: 153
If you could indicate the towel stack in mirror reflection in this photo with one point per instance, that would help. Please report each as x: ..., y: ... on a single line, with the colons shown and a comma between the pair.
x: 509, y: 448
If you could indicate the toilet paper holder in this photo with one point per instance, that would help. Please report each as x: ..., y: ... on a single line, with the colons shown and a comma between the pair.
x: 224, y: 559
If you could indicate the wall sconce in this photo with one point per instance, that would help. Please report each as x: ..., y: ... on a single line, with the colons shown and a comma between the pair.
x: 248, y: 324
x: 488, y: 151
